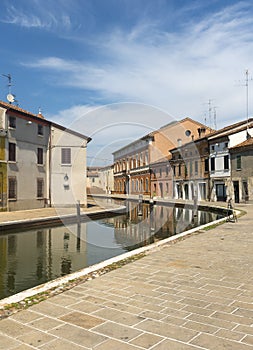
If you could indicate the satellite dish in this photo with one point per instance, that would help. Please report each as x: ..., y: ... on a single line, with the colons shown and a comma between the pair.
x: 10, y: 98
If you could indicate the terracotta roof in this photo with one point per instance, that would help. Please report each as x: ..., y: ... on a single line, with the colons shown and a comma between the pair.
x: 174, y: 122
x: 239, y: 126
x: 246, y: 143
x: 14, y: 108
x: 18, y: 109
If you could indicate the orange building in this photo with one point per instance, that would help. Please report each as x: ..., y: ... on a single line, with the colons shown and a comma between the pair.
x: 133, y: 163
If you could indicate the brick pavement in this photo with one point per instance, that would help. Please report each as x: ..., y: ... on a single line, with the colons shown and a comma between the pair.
x: 194, y: 294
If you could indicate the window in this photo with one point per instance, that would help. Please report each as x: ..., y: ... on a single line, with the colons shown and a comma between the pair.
x: 147, y: 185
x: 206, y: 165
x: 212, y: 164
x: 185, y: 170
x: 179, y: 169
x: 174, y: 170
x: 196, y: 167
x: 12, y: 188
x: 40, y: 130
x: 160, y: 172
x: 190, y: 168
x: 226, y: 162
x: 66, y: 155
x: 238, y: 162
x: 39, y: 155
x: 40, y: 188
x: 12, y: 122
x: 212, y: 148
x: 12, y: 152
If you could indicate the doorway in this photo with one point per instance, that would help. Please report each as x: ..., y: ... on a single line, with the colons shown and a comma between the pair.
x: 236, y: 191
x: 221, y: 192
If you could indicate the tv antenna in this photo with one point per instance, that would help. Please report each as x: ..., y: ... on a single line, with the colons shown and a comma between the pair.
x: 211, y: 113
x: 247, y: 98
x: 246, y: 84
x: 215, y: 117
x: 10, y: 97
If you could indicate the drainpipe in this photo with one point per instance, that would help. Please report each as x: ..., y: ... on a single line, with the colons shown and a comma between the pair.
x: 50, y: 166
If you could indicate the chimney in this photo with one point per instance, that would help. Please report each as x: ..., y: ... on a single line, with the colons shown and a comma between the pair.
x: 201, y: 132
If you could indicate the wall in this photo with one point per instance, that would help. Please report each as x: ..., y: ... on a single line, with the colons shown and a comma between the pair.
x: 245, y: 174
x: 3, y: 176
x: 68, y: 182
x: 25, y: 169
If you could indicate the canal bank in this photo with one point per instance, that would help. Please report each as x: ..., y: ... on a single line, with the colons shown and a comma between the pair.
x: 195, y: 294
x: 47, y: 216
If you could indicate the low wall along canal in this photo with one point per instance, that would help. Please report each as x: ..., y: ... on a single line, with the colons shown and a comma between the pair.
x: 32, y: 257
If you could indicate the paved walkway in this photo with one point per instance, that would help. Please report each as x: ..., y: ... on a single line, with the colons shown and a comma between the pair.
x: 194, y: 294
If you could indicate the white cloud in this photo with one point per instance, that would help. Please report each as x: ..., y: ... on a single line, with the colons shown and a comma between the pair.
x: 112, y: 126
x: 178, y: 72
x: 36, y: 15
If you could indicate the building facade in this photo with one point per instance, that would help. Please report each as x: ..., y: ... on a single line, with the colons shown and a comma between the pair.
x: 67, y: 168
x: 220, y: 143
x: 242, y: 171
x: 100, y: 179
x: 190, y: 168
x: 132, y: 163
x: 161, y: 179
x: 31, y: 168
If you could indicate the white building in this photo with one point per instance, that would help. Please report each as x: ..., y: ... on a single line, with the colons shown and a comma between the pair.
x: 67, y: 167
x: 41, y: 163
x: 221, y: 186
x: 100, y: 179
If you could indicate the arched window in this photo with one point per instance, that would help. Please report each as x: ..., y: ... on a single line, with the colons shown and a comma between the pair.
x: 147, y: 185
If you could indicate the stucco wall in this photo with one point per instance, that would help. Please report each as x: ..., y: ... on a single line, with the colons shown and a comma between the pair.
x: 68, y: 182
x: 25, y: 168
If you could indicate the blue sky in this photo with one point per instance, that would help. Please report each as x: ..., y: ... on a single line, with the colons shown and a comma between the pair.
x: 146, y: 61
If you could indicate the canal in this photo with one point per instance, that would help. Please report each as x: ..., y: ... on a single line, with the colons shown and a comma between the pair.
x: 32, y: 257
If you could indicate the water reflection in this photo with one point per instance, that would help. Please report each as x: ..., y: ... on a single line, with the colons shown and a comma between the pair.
x: 32, y: 257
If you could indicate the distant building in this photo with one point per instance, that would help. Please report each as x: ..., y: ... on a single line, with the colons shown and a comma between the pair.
x: 161, y: 179
x: 132, y: 163
x: 41, y: 163
x: 100, y: 179
x: 190, y: 167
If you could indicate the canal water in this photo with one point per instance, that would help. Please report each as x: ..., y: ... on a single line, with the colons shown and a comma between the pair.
x: 32, y: 257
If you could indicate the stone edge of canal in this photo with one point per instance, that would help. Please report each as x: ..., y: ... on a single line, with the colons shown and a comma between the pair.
x: 34, y: 295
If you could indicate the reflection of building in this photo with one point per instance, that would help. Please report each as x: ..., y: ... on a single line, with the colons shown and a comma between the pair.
x: 41, y: 163
x: 220, y: 142
x: 242, y: 171
x: 132, y: 170
x: 38, y: 256
x: 143, y: 224
x: 190, y: 170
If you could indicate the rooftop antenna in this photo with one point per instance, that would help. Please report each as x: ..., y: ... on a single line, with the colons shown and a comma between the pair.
x: 215, y: 117
x: 210, y: 108
x: 210, y: 112
x: 10, y: 96
x: 247, y: 94
x: 247, y: 101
